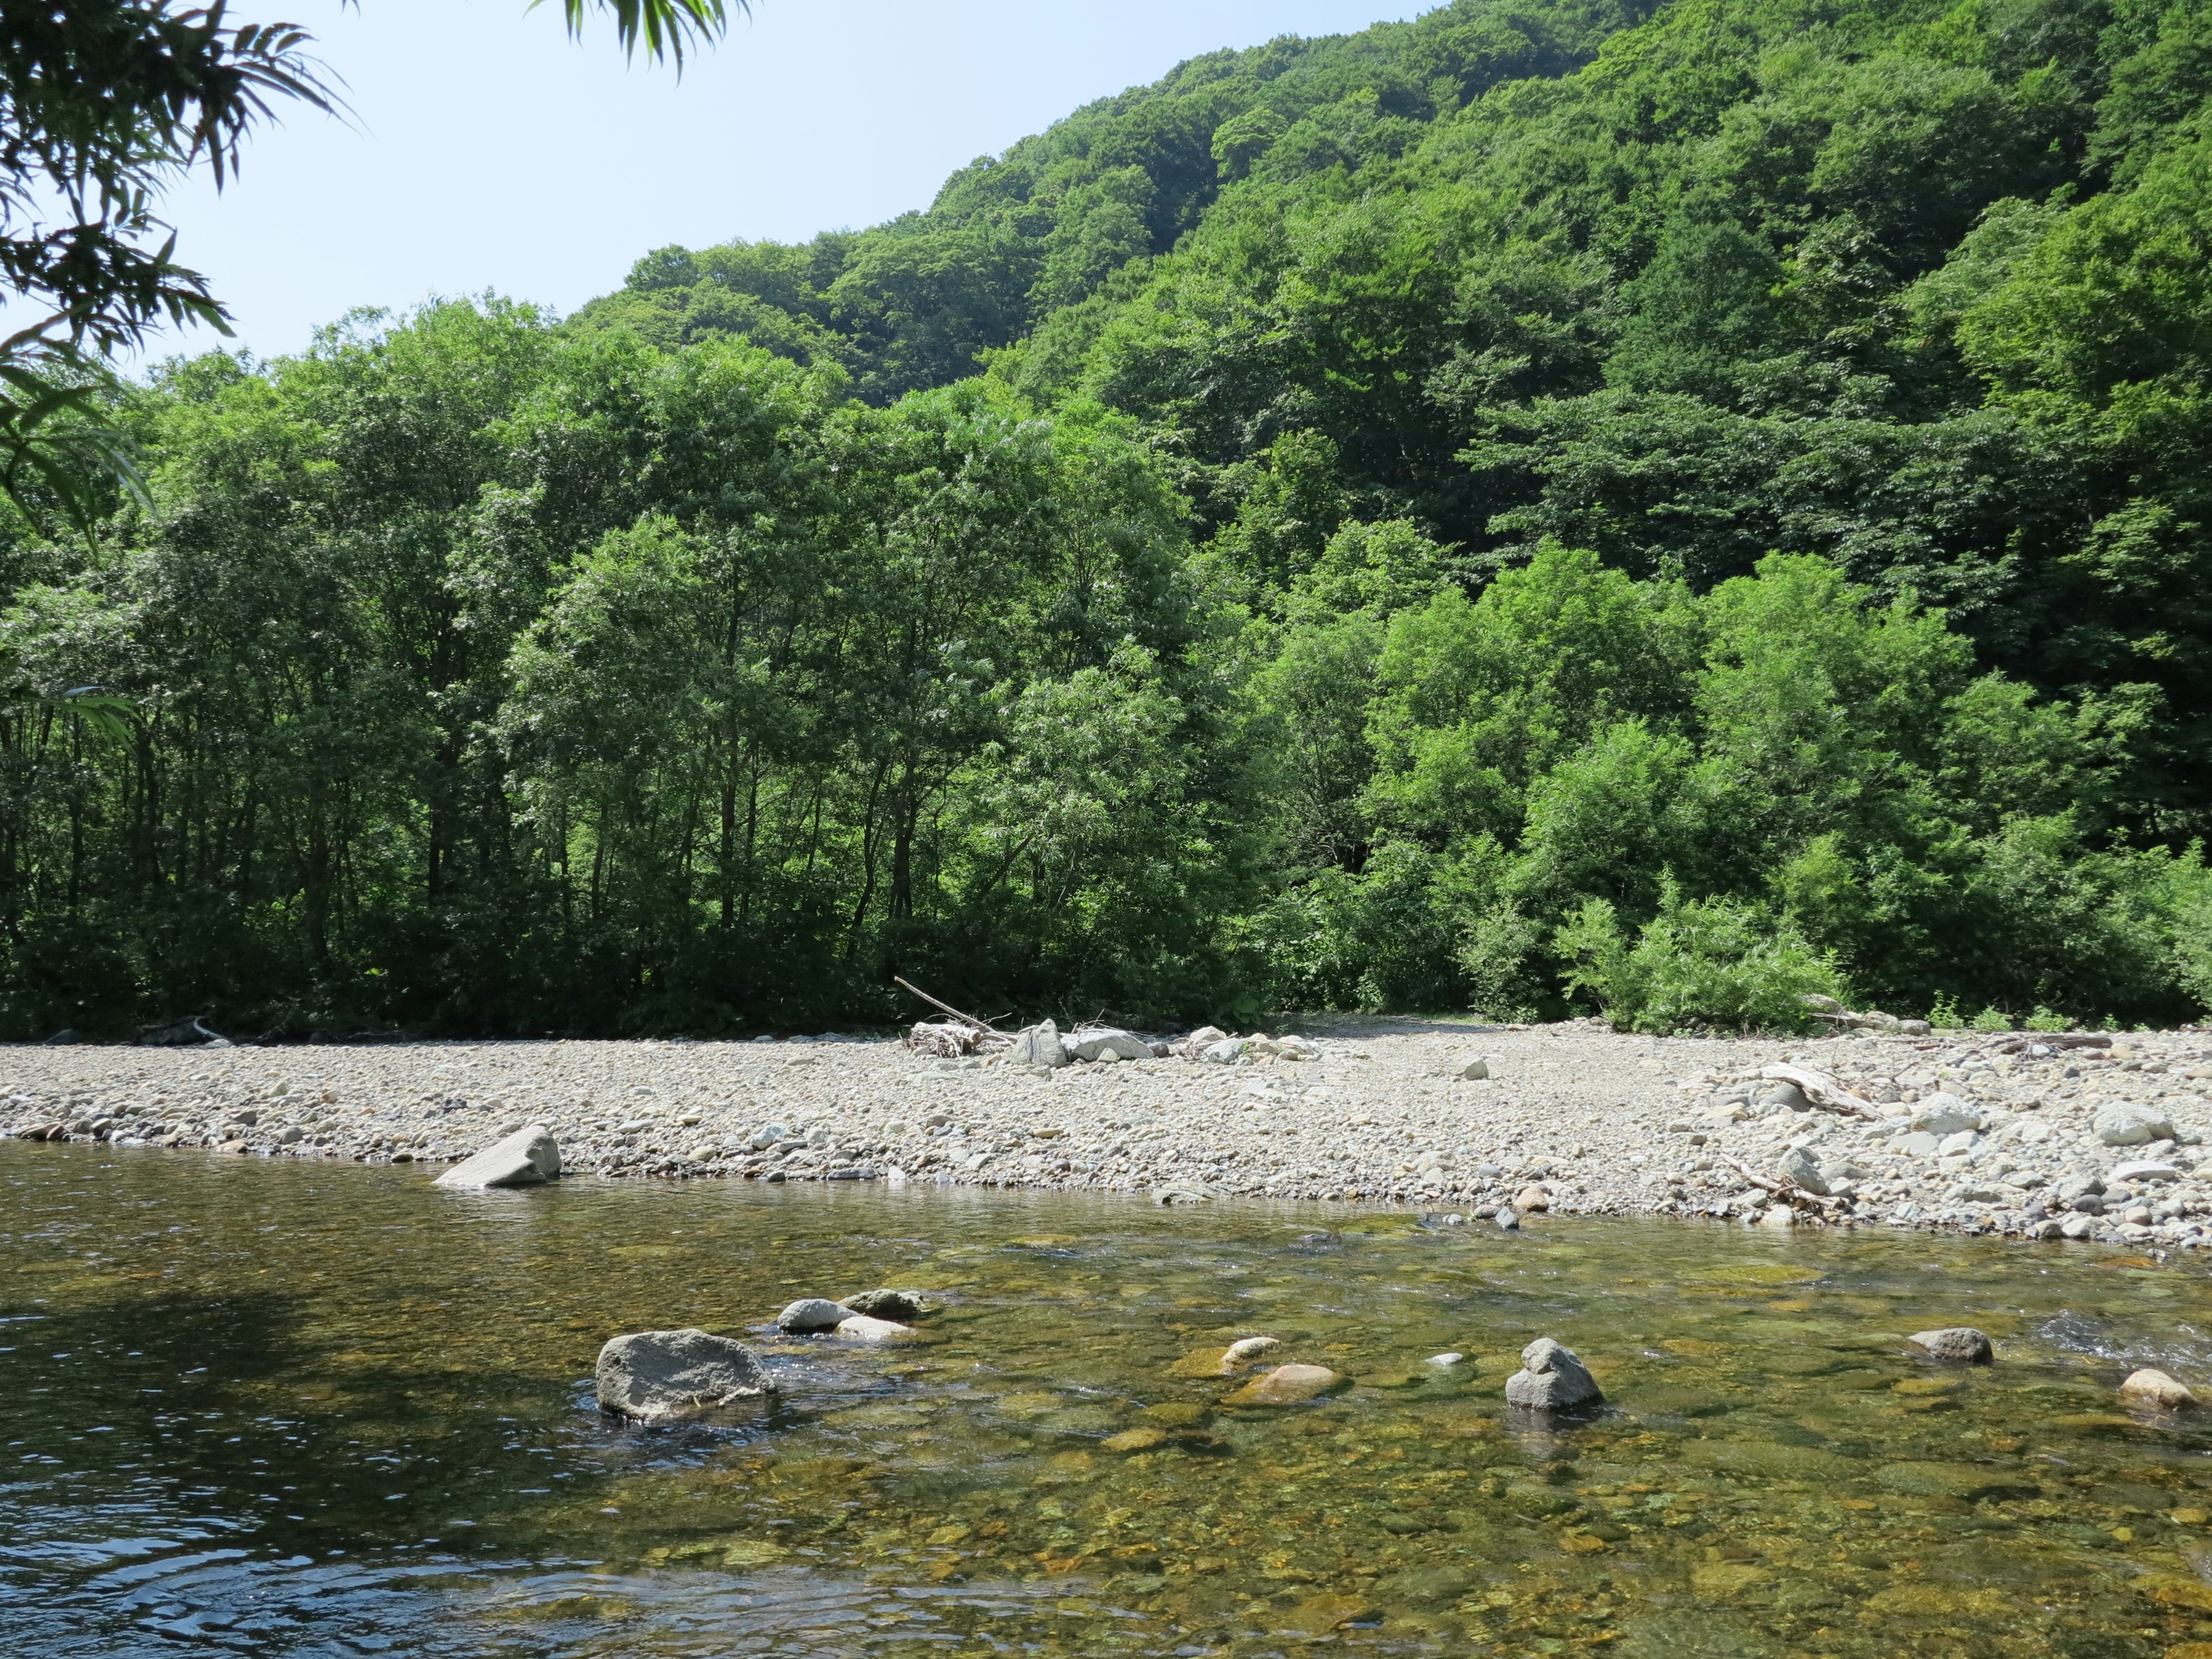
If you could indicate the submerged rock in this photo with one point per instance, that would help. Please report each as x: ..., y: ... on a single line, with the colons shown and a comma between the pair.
x: 664, y: 1375
x: 861, y: 1329
x: 528, y: 1157
x: 1287, y: 1385
x: 903, y: 1306
x: 2153, y: 1388
x: 810, y: 1313
x: 1962, y: 1345
x: 1551, y: 1378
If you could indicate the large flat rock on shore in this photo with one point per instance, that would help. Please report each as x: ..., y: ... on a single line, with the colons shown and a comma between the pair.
x: 528, y: 1157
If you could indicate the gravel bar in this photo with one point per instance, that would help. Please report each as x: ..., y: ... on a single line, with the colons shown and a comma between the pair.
x: 2096, y: 1145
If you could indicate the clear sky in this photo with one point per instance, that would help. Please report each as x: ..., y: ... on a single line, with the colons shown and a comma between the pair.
x: 489, y: 151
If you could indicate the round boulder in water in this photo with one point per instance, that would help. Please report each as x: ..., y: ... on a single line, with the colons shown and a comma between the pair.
x: 658, y: 1376
x: 904, y: 1306
x: 811, y: 1313
x: 1551, y: 1378
x: 1962, y: 1345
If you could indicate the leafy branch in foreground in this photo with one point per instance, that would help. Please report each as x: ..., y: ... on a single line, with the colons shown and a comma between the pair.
x: 665, y: 26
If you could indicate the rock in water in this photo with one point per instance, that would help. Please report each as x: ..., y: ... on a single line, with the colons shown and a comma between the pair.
x: 904, y: 1306
x: 1040, y: 1045
x: 1245, y: 1349
x: 1551, y: 1378
x: 1961, y: 1344
x: 658, y: 1377
x: 859, y: 1327
x: 1286, y: 1385
x: 2155, y: 1388
x: 527, y: 1157
x: 811, y: 1313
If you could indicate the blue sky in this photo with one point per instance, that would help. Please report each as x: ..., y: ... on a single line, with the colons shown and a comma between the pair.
x: 487, y: 151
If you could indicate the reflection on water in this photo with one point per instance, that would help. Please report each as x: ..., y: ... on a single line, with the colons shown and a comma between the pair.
x: 277, y: 1408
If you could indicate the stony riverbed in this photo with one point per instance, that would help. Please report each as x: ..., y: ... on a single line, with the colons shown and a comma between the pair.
x: 1572, y: 1118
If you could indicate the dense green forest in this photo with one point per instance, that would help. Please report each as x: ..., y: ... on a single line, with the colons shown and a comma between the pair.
x: 1553, y: 506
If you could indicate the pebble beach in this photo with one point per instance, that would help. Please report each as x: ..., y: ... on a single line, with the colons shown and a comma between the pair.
x: 2059, y: 1144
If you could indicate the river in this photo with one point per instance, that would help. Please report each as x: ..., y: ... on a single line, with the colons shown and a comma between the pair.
x: 279, y: 1407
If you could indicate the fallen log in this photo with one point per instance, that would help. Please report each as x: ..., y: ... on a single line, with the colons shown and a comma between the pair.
x: 1825, y: 1092
x: 947, y: 1008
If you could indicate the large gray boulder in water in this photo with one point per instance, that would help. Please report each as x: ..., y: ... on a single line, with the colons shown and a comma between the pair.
x: 527, y: 1157
x: 1551, y: 1378
x: 659, y: 1377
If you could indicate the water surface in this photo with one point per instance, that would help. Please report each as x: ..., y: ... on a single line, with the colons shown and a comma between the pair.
x: 278, y: 1407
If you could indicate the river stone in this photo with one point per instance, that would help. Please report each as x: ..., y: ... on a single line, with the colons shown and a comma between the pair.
x: 2153, y: 1388
x: 811, y: 1313
x: 1769, y: 1460
x: 659, y: 1375
x: 1040, y: 1045
x: 903, y: 1306
x: 1473, y: 1072
x: 861, y: 1329
x: 1286, y: 1385
x: 1942, y: 1114
x: 2123, y: 1125
x: 1798, y: 1164
x: 2144, y: 1168
x: 1968, y: 1481
x: 1961, y: 1344
x: 1551, y: 1378
x: 1111, y: 1045
x: 1427, y: 1587
x: 1247, y: 1349
x: 1532, y: 1197
x: 528, y: 1157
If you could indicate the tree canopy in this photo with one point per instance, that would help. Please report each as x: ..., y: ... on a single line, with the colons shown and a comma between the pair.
x: 1551, y: 505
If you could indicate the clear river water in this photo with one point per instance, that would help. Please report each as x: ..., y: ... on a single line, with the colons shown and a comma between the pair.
x: 288, y: 1409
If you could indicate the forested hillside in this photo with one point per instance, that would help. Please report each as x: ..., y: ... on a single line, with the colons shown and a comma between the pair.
x: 1545, y: 506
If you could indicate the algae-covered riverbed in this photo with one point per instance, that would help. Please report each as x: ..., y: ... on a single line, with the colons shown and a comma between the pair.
x: 274, y: 1407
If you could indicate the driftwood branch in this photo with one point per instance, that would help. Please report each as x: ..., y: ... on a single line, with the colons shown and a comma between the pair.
x: 947, y: 1008
x: 1825, y: 1092
x: 1781, y: 1186
x: 2020, y: 1040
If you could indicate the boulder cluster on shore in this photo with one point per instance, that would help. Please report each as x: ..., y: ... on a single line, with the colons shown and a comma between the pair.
x: 1996, y: 1132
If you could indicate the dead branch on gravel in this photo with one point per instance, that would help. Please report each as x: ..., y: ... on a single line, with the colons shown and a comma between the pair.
x: 2020, y: 1039
x: 947, y: 1008
x: 1825, y: 1092
x: 1781, y: 1186
x: 943, y: 1039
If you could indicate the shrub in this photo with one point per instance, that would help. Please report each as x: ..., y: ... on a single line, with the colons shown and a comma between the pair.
x: 1990, y: 1019
x: 1716, y: 962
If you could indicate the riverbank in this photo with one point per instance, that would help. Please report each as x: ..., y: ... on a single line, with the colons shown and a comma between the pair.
x: 1572, y: 1118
